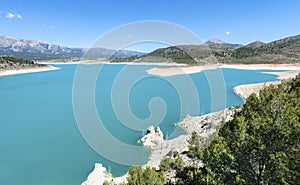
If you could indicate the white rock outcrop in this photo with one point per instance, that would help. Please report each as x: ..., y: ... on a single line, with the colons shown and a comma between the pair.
x: 99, y: 175
x: 152, y: 138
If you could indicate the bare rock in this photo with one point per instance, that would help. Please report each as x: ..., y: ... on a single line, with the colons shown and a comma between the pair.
x: 152, y: 138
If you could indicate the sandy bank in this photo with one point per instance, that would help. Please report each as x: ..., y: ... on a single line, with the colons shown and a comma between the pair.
x: 245, y: 90
x: 285, y: 75
x: 105, y: 61
x: 30, y: 70
x: 174, y: 70
x: 177, y: 70
x: 295, y: 66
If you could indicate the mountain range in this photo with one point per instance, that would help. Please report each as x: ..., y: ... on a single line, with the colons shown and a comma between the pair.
x: 285, y: 50
x: 37, y: 50
x: 215, y: 41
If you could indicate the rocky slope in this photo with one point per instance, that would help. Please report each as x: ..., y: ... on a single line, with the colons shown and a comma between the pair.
x: 220, y: 42
x: 32, y: 49
x: 285, y: 50
x: 11, y: 63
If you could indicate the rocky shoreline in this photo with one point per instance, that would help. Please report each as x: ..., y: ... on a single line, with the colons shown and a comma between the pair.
x: 205, y: 126
x: 245, y: 90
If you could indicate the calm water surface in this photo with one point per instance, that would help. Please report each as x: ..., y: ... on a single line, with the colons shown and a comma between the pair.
x: 40, y: 143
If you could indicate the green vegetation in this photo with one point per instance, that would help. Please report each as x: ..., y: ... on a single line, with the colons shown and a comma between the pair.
x: 123, y: 59
x: 171, y: 54
x: 260, y: 145
x: 175, y: 163
x: 7, y: 62
x: 140, y: 176
x: 281, y: 51
x: 148, y: 176
x: 112, y: 183
x: 176, y: 54
x: 286, y: 50
x: 194, y: 146
x: 287, y: 46
x: 15, y: 60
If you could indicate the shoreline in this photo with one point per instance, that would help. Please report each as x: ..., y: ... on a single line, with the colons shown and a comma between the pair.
x: 178, y: 70
x: 204, y: 125
x: 197, y: 123
x: 29, y: 70
x: 246, y: 89
x: 291, y: 66
x: 171, y: 69
x: 89, y: 62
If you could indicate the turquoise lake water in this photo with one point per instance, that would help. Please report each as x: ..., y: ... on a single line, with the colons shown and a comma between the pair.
x: 40, y: 143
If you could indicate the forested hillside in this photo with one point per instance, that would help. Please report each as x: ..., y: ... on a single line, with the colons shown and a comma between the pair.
x: 285, y: 50
x: 261, y: 144
x: 7, y: 63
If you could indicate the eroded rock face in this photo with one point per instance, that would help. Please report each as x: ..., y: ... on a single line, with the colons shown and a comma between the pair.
x: 98, y: 176
x: 153, y: 137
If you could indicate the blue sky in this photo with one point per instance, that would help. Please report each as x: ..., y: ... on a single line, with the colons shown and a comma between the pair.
x: 78, y: 23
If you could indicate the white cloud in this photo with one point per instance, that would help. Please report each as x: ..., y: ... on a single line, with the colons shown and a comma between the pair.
x: 10, y: 15
x: 19, y: 16
x: 228, y: 33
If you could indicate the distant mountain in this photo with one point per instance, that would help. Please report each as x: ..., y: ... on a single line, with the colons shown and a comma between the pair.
x: 31, y: 49
x: 285, y: 50
x: 103, y: 52
x: 220, y: 42
x: 188, y: 54
x: 214, y: 41
x: 254, y: 45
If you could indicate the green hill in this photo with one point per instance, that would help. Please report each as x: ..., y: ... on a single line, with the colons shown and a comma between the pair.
x: 188, y: 54
x: 285, y: 50
x: 7, y: 63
